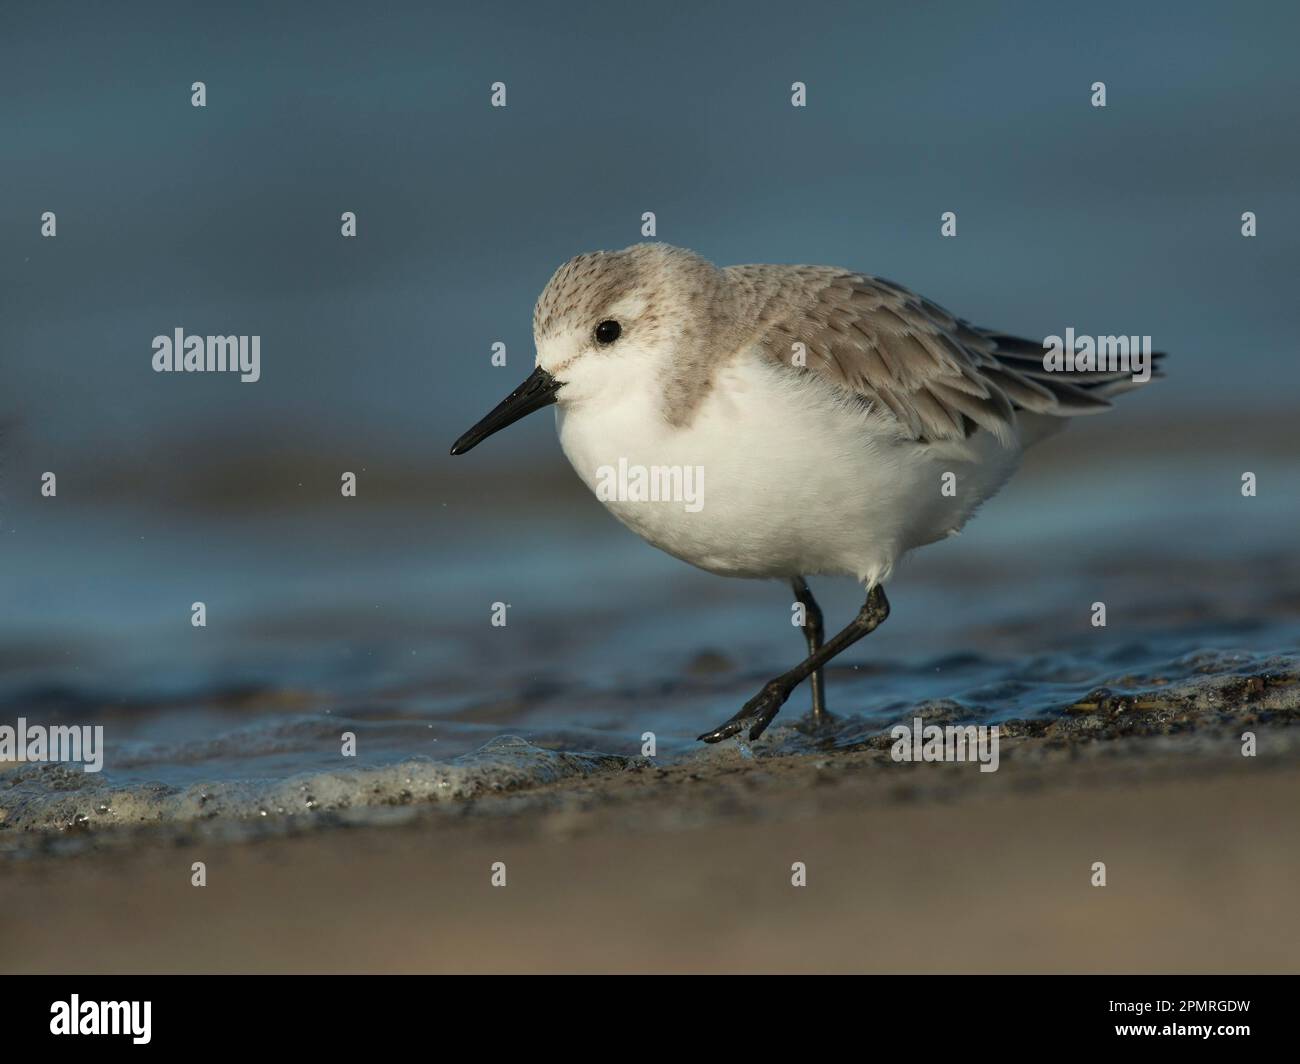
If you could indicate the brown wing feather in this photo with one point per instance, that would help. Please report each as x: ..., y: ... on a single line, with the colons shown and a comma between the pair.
x: 939, y: 376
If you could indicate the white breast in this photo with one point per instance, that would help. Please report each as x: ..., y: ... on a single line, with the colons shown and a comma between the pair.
x: 794, y: 479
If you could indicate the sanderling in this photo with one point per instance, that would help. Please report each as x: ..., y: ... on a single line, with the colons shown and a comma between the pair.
x: 837, y: 420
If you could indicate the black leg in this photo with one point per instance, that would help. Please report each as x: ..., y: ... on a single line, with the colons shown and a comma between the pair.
x: 757, y: 713
x: 812, y: 630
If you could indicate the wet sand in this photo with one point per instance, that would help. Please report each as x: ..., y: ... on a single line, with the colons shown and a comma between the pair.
x: 687, y: 868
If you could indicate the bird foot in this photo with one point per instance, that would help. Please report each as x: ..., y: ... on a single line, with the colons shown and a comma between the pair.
x: 756, y: 715
x: 815, y: 721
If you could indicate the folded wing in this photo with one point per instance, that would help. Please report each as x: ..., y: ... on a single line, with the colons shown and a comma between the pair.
x: 940, y: 377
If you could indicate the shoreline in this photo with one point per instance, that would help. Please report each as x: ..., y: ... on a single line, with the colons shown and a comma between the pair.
x: 687, y: 868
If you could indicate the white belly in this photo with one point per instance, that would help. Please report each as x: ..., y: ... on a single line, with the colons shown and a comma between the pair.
x: 788, y: 480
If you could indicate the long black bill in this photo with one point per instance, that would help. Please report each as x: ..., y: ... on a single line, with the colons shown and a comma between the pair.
x: 536, y: 392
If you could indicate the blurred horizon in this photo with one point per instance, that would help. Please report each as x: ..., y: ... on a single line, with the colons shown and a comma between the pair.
x: 375, y: 349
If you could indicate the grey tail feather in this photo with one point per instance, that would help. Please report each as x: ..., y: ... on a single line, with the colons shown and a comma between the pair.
x: 1078, y: 392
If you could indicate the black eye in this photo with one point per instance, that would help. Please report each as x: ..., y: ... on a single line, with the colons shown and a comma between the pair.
x: 608, y: 331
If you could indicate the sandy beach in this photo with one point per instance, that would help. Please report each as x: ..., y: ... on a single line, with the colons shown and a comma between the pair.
x: 687, y: 868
